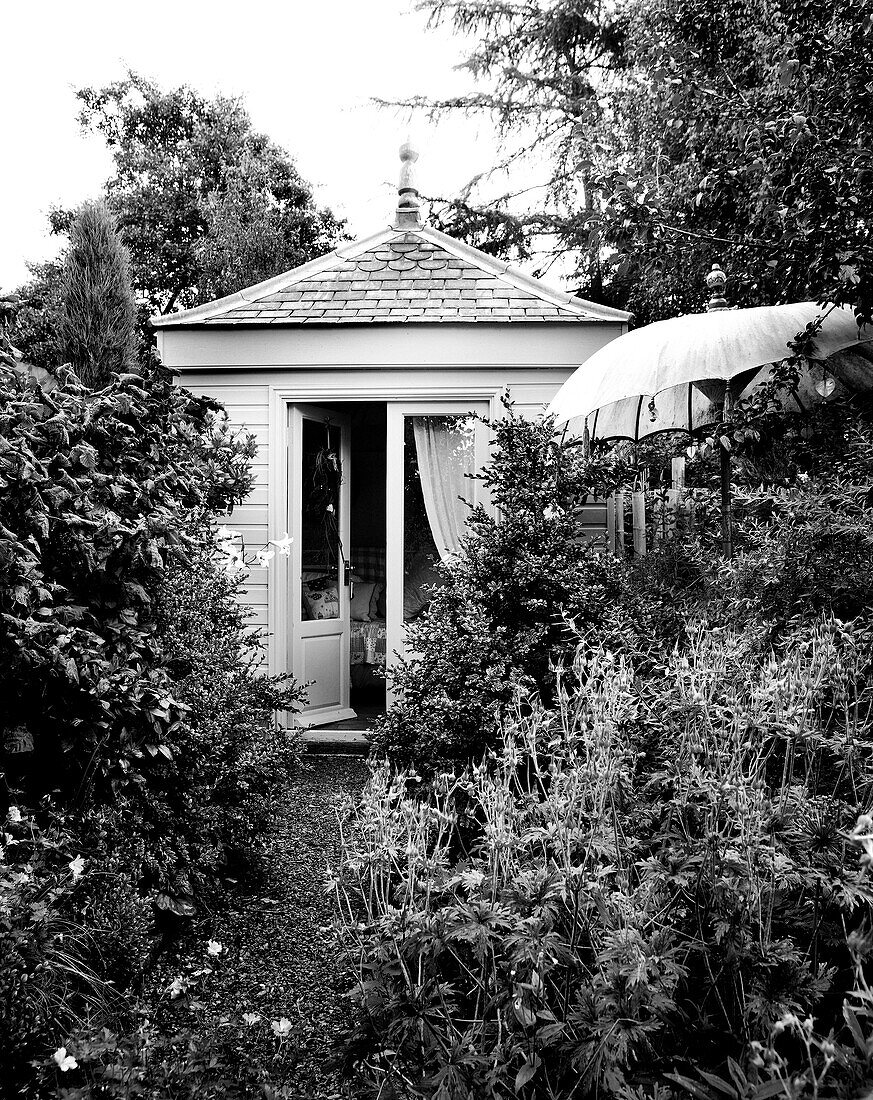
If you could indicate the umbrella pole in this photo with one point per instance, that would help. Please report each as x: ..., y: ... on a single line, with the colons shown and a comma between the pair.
x: 727, y: 533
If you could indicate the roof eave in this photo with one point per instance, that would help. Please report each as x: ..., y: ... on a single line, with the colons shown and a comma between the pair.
x: 335, y: 322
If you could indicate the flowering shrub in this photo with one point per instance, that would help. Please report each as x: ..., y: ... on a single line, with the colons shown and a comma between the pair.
x: 46, y: 983
x: 651, y: 875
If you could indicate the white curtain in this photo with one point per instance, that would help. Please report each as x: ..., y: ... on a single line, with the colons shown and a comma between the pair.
x: 446, y: 456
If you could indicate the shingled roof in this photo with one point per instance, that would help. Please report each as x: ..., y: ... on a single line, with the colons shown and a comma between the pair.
x: 406, y: 273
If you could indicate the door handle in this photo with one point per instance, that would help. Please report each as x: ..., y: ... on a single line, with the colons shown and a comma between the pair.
x: 347, y: 574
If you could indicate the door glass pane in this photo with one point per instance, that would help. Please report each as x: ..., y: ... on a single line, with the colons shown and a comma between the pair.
x: 439, y: 461
x: 321, y: 555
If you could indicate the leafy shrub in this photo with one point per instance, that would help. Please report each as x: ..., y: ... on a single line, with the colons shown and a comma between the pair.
x: 230, y: 750
x: 46, y: 984
x: 96, y: 493
x: 804, y: 547
x: 126, y: 660
x: 112, y: 902
x: 652, y: 874
x: 499, y: 613
x: 146, y: 1062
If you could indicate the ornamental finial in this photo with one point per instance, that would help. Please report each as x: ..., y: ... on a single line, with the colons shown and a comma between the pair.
x: 407, y: 193
x: 716, y: 281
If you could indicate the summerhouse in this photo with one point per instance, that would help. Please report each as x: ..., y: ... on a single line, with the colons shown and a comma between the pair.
x: 358, y: 373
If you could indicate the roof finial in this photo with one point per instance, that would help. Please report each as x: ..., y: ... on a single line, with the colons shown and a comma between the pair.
x: 716, y: 281
x: 408, y: 200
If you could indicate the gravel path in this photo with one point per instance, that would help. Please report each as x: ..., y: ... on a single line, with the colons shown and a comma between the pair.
x: 275, y: 962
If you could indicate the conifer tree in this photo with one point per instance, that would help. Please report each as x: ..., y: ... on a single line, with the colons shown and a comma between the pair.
x: 97, y: 316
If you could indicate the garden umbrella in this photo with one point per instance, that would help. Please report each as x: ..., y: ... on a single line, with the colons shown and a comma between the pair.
x: 676, y: 374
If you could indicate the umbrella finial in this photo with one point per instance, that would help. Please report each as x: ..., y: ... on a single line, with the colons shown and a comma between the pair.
x: 716, y: 281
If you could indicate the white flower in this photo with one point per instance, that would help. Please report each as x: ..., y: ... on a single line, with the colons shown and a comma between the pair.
x: 283, y: 545
x: 77, y: 866
x: 14, y: 814
x: 177, y: 987
x: 282, y: 1027
x: 213, y: 947
x: 264, y: 557
x: 251, y: 1018
x: 234, y: 562
x: 471, y: 880
x: 224, y: 534
x: 65, y: 1061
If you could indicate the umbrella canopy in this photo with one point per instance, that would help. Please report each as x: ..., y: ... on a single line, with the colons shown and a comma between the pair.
x: 672, y: 362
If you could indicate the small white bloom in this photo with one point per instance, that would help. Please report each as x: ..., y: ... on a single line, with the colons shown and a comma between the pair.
x: 283, y: 545
x: 213, y: 947
x: 251, y: 1018
x: 14, y: 814
x: 65, y: 1061
x: 234, y: 562
x: 177, y: 987
x: 224, y: 534
x: 472, y: 880
x: 77, y: 866
x: 264, y: 557
x: 282, y: 1027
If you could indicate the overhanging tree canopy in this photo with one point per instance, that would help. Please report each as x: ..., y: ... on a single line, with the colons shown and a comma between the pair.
x: 681, y: 132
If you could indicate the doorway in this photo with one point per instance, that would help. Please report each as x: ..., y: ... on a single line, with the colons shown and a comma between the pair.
x: 378, y: 494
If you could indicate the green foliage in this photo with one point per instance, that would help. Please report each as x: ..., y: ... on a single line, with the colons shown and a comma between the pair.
x: 34, y: 324
x: 231, y: 752
x: 97, y: 311
x: 744, y: 133
x: 127, y: 659
x: 657, y: 878
x: 652, y: 874
x: 46, y: 984
x: 147, y: 1062
x: 205, y: 204
x: 97, y: 491
x: 675, y: 134
x: 497, y: 615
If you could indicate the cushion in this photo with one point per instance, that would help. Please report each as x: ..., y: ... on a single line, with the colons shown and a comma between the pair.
x: 321, y: 605
x: 363, y: 594
x: 377, y: 602
x: 421, y: 577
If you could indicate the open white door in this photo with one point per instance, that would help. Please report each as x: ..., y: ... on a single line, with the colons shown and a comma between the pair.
x: 432, y: 447
x: 318, y: 506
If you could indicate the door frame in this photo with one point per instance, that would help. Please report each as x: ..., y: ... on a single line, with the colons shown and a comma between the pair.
x: 394, y: 509
x: 299, y: 628
x: 311, y: 392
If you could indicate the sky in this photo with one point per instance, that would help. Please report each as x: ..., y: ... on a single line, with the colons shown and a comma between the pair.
x: 307, y: 71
